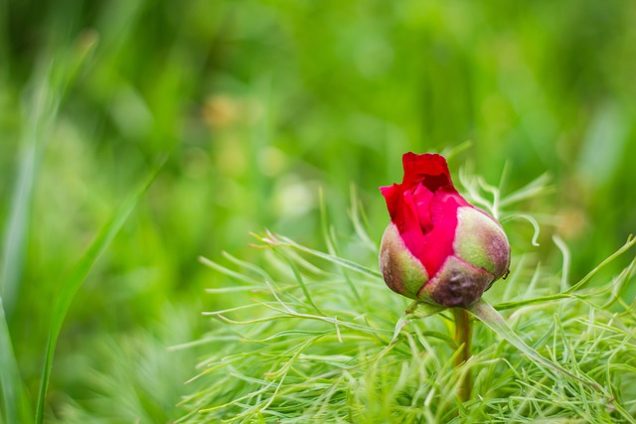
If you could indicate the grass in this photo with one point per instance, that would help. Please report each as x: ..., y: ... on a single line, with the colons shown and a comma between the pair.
x: 70, y: 285
x: 300, y: 346
x: 14, y: 398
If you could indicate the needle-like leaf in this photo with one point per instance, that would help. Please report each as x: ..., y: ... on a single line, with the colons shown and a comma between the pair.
x: 70, y: 286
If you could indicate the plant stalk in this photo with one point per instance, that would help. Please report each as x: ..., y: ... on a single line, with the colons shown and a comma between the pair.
x: 463, y: 335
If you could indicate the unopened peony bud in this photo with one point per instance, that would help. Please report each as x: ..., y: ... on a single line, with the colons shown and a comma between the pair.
x: 438, y: 247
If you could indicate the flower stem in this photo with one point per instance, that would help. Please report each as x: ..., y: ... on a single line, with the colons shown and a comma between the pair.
x: 463, y: 333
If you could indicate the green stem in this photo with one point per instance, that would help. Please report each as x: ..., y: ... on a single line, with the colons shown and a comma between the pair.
x: 463, y: 333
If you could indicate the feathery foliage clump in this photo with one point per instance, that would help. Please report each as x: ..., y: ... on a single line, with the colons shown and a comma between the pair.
x: 138, y: 378
x: 310, y: 336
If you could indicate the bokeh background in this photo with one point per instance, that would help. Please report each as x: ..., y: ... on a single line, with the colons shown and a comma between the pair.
x: 257, y: 106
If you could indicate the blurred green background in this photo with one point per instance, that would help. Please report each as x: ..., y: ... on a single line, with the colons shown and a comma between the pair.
x: 257, y: 105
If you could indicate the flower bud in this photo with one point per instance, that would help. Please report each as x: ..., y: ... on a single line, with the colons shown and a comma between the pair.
x: 438, y: 247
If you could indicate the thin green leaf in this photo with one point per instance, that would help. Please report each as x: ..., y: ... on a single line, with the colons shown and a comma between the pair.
x: 570, y: 293
x: 330, y: 239
x: 13, y: 395
x: 631, y: 241
x: 50, y: 82
x: 356, y: 215
x: 298, y: 276
x: 41, y: 110
x: 451, y: 152
x: 70, y: 286
x: 534, y: 301
x: 422, y: 309
x: 493, y: 320
x: 534, y: 188
x: 275, y: 240
x: 531, y: 220
x: 565, y: 268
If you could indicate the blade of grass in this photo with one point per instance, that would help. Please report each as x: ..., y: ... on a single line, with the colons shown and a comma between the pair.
x: 72, y: 284
x: 12, y: 389
x: 41, y: 110
x: 17, y: 224
x: 50, y: 82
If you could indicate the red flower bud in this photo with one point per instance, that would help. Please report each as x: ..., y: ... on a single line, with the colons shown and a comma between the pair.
x: 438, y: 247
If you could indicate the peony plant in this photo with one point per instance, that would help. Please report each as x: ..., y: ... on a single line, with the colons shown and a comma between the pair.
x: 439, y: 249
x: 307, y: 344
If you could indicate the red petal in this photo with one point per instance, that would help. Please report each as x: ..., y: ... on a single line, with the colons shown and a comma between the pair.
x: 403, y: 215
x: 424, y: 208
x: 429, y: 169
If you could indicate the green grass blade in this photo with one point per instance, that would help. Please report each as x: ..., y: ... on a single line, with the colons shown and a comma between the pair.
x: 12, y: 390
x: 72, y: 284
x: 41, y: 109
x: 17, y: 225
x: 50, y: 82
